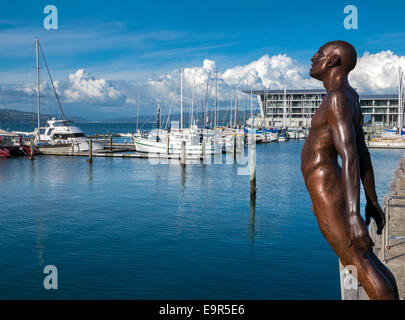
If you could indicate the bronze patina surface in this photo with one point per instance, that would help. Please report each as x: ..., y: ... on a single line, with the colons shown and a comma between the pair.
x: 336, y: 130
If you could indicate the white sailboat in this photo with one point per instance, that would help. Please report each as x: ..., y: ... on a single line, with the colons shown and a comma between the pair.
x: 169, y: 142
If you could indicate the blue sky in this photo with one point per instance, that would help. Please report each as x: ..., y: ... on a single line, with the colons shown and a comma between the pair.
x: 128, y: 42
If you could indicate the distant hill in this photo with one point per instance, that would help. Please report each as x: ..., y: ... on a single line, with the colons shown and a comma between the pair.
x: 15, y: 116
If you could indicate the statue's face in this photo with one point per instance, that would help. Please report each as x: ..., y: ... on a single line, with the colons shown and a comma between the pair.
x: 319, y: 64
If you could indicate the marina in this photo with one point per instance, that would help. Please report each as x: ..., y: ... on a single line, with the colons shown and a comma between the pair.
x: 159, y: 156
x: 135, y: 227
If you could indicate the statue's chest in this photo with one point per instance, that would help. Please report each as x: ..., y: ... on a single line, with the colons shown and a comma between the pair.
x: 319, y: 118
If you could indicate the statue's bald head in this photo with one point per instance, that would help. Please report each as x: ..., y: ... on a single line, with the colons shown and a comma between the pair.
x: 346, y: 52
x: 334, y: 54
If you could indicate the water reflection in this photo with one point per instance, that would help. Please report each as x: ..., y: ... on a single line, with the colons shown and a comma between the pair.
x: 90, y: 173
x: 183, y: 175
x: 252, y: 218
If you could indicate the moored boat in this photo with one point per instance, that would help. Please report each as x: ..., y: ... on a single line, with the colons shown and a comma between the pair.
x: 65, y: 134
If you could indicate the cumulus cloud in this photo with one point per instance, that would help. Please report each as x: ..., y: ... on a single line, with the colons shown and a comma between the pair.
x: 377, y: 73
x: 82, y: 87
x: 270, y: 72
x: 374, y: 73
x: 266, y: 72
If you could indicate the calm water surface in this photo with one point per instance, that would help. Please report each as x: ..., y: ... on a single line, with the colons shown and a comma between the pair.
x: 125, y: 228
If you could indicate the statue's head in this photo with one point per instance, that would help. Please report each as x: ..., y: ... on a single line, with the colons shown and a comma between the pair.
x: 334, y: 54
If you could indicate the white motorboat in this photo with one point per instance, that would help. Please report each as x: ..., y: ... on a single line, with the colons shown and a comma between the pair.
x: 292, y: 133
x: 66, y: 133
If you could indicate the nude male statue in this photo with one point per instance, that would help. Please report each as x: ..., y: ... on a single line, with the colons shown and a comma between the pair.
x: 336, y: 130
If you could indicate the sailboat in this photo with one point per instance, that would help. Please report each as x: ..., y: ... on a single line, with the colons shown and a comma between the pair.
x: 61, y: 134
x: 169, y: 142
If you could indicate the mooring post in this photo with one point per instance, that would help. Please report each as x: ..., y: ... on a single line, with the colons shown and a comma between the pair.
x: 31, y: 149
x: 183, y: 153
x: 252, y: 165
x: 90, y: 150
x: 168, y: 145
x: 203, y: 148
x: 234, y: 147
x: 110, y: 141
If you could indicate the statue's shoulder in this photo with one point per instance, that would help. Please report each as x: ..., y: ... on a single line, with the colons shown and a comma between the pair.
x: 338, y: 104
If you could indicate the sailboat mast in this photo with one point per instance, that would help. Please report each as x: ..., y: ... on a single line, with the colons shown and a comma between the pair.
x: 216, y: 100
x: 400, y: 101
x: 206, y: 102
x: 251, y: 105
x: 181, y: 98
x: 137, y: 113
x: 237, y: 107
x: 192, y: 104
x: 158, y: 117
x: 244, y: 111
x: 38, y: 93
x: 230, y: 114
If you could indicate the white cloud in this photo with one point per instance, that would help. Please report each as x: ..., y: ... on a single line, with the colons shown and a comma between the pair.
x: 377, y: 73
x: 374, y: 73
x: 82, y: 87
x: 270, y: 72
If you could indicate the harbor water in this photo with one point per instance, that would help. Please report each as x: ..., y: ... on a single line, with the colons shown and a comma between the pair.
x: 129, y: 228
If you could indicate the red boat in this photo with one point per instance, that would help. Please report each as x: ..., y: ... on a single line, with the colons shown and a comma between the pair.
x: 12, y: 151
x: 11, y: 145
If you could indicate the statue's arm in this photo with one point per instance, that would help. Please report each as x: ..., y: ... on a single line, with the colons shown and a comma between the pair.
x: 373, y: 209
x: 340, y: 122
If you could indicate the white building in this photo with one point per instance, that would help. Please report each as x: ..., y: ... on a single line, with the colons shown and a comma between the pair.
x: 295, y: 108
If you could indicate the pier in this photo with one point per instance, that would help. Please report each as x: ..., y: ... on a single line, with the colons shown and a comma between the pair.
x: 390, y: 246
x: 118, y: 150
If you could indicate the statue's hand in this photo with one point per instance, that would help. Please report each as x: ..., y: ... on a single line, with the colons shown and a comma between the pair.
x: 359, y: 236
x: 373, y: 210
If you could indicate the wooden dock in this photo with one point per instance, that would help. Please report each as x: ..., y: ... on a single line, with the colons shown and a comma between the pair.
x: 390, y: 246
x: 117, y: 151
x: 386, y: 144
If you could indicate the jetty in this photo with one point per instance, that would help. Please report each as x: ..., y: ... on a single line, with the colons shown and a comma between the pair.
x: 390, y: 246
x: 117, y: 150
x: 379, y: 143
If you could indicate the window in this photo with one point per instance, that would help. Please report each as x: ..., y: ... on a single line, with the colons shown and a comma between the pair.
x: 66, y: 136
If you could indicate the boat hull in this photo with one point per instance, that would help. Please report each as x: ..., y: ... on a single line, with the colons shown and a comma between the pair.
x: 147, y: 146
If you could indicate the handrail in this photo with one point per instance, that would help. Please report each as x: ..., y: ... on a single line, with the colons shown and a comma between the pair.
x: 386, y: 206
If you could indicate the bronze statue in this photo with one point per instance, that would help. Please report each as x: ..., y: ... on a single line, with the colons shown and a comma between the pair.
x: 336, y: 130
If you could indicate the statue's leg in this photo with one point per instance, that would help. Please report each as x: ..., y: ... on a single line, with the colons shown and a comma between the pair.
x: 329, y: 208
x: 387, y: 272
